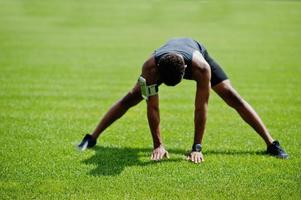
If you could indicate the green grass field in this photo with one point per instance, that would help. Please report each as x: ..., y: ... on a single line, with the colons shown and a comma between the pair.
x: 64, y: 63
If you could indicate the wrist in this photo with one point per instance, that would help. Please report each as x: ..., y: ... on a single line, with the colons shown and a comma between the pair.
x: 157, y: 145
x: 197, y: 147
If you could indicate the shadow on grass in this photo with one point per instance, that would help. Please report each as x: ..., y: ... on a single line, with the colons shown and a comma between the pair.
x: 111, y: 161
x: 234, y: 152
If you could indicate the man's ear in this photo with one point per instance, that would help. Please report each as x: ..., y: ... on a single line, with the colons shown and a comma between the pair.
x: 185, y: 66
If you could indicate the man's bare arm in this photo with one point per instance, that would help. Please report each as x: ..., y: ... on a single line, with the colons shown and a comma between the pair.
x: 201, y: 105
x: 202, y: 76
x: 150, y: 73
x: 153, y: 116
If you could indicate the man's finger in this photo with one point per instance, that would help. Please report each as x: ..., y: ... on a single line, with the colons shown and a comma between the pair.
x: 195, y: 158
x: 199, y: 159
x: 157, y: 156
x: 152, y: 156
x: 202, y: 158
x: 161, y: 155
x: 166, y: 154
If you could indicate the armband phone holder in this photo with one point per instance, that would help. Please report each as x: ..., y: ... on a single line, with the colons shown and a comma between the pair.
x: 147, y: 90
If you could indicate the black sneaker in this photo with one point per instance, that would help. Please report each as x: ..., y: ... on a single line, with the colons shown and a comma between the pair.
x: 87, y: 142
x: 276, y: 150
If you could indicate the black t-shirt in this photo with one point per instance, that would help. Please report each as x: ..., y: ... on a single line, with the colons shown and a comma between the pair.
x: 182, y: 46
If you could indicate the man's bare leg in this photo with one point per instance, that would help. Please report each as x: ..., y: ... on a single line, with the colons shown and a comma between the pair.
x: 118, y: 110
x: 245, y: 110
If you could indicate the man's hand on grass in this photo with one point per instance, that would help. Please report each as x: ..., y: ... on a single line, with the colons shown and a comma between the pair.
x: 196, y: 157
x: 159, y: 153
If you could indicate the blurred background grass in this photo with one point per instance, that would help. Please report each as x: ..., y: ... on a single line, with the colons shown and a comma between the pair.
x: 63, y: 64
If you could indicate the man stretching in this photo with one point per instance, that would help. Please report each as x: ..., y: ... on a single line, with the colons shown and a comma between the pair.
x: 183, y: 58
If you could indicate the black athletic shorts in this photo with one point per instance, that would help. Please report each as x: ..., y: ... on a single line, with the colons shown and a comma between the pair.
x: 217, y: 73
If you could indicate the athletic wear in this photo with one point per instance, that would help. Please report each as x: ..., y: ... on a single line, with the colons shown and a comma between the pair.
x: 186, y: 47
x: 87, y: 142
x: 276, y: 150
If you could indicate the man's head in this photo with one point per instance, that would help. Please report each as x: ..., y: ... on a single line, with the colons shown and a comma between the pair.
x: 171, y: 68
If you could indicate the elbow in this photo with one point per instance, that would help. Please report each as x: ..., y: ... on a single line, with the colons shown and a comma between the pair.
x: 205, y: 69
x: 203, y: 80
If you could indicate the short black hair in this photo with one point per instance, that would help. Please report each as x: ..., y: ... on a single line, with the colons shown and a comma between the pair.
x: 171, y: 67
